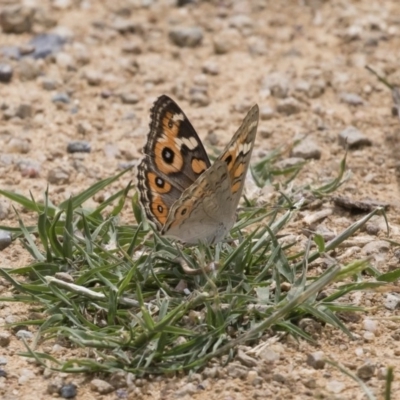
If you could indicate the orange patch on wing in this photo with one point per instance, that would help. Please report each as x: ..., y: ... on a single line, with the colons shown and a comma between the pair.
x: 198, y: 166
x: 230, y: 154
x: 159, y: 209
x: 164, y: 167
x: 239, y: 170
x: 170, y: 127
x: 170, y: 130
x: 236, y: 187
x: 153, y: 184
x: 178, y: 216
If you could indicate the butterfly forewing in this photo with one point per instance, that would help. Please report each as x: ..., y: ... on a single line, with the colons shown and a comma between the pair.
x: 237, y: 153
x: 174, y: 158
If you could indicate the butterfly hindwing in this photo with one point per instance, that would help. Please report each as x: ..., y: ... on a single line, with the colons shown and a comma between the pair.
x: 207, y: 209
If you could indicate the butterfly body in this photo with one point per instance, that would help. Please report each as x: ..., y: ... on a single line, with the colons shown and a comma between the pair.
x: 185, y: 196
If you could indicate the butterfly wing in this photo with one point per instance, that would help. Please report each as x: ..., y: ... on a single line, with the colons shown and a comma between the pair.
x: 237, y: 153
x: 206, y: 211
x: 174, y: 158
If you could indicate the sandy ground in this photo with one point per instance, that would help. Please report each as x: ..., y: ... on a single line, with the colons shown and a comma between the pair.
x: 301, y: 61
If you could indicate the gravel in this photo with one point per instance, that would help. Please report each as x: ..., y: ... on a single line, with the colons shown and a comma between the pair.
x: 186, y: 36
x: 6, y: 73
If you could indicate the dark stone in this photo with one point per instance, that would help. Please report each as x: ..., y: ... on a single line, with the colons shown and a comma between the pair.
x: 68, y: 391
x: 6, y: 73
x: 46, y: 44
x: 61, y: 98
x: 78, y: 146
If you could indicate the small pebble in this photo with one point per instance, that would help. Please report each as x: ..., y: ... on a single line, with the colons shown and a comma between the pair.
x: 29, y: 168
x: 84, y: 127
x: 3, y: 361
x: 382, y: 373
x: 5, y: 337
x: 252, y: 376
x: 5, y: 241
x: 4, y: 208
x: 18, y: 145
x: 6, y: 73
x: 226, y: 41
x: 16, y: 18
x: 121, y: 393
x: 366, y: 371
x: 134, y: 46
x: 100, y: 386
x: 316, y: 360
x: 277, y: 84
x: 24, y: 111
x: 241, y: 22
x: 55, y: 385
x: 58, y: 176
x: 279, y: 378
x: 12, y: 52
x: 129, y: 98
x: 65, y: 60
x: 28, y: 69
x: 335, y: 386
x: 310, y: 383
x: 25, y: 375
x: 352, y: 99
x: 26, y: 49
x: 78, y: 146
x: 24, y: 334
x: 257, y: 46
x: 269, y: 355
x: 352, y: 138
x: 61, y: 4
x: 124, y: 25
x: 93, y: 78
x: 376, y: 247
x: 288, y: 106
x: 245, y: 359
x: 186, y: 390
x: 371, y: 325
x: 210, y: 68
x: 396, y: 335
x: 392, y: 302
x: 199, y: 98
x: 307, y: 149
x: 210, y: 373
x: 372, y: 229
x: 61, y: 98
x: 266, y: 113
x: 68, y: 391
x: 265, y: 132
x: 237, y: 371
x: 369, y: 336
x: 186, y: 36
x: 49, y: 84
x: 316, y: 89
x: 111, y: 150
x: 46, y: 44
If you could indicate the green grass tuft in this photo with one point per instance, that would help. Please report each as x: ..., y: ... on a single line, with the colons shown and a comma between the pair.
x: 111, y: 289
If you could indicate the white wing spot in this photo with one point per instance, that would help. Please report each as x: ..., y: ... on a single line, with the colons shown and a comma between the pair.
x: 178, y: 117
x: 253, y: 125
x: 191, y: 143
x: 246, y: 147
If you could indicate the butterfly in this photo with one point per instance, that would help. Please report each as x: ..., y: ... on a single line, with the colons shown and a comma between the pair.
x: 185, y: 196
